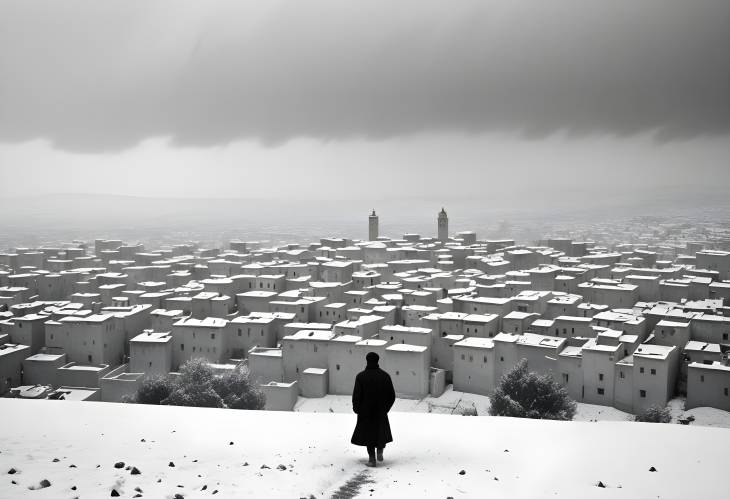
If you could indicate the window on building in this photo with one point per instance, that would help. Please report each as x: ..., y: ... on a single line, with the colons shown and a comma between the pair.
x: 702, y: 378
x: 485, y: 359
x: 315, y: 348
x: 501, y: 359
x: 565, y: 377
x: 463, y: 357
x: 193, y: 349
x: 51, y: 336
x: 621, y: 374
x: 182, y: 346
x: 397, y: 373
x: 641, y: 370
x: 726, y: 391
x: 724, y: 336
x: 212, y: 336
x: 471, y: 358
x: 90, y: 358
x: 653, y: 372
x: 600, y: 391
x: 642, y: 394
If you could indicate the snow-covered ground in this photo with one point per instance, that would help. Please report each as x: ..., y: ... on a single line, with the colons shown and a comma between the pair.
x: 452, y: 402
x: 500, y: 457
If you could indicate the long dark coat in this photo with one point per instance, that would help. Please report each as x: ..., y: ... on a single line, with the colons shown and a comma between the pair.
x: 372, y: 398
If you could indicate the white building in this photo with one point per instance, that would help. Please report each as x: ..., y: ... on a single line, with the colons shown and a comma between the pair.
x: 345, y: 360
x: 150, y: 352
x: 409, y: 369
x: 407, y: 335
x: 93, y: 339
x: 474, y: 365
x: 304, y: 349
x: 199, y: 338
x: 246, y: 332
x: 11, y: 365
x: 708, y: 386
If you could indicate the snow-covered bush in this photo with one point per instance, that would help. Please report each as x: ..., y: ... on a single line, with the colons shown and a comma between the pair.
x: 524, y: 394
x: 238, y: 391
x: 153, y: 390
x: 195, y: 386
x: 199, y: 386
x: 655, y: 414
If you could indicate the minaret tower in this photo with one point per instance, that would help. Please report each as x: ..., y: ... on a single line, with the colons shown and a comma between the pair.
x: 443, y: 226
x: 373, y: 226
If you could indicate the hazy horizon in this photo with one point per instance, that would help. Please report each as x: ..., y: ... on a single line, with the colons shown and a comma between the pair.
x: 520, y: 103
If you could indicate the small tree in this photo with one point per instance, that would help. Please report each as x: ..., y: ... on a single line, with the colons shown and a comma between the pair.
x: 199, y: 386
x: 524, y: 394
x: 195, y: 386
x: 153, y: 390
x: 655, y: 414
x: 238, y: 391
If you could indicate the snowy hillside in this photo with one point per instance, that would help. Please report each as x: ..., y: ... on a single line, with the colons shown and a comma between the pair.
x: 236, y: 453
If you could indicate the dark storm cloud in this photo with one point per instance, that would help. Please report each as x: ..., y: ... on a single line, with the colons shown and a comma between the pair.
x: 95, y: 75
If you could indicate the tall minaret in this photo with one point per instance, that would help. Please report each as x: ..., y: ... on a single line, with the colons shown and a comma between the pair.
x: 373, y: 226
x: 443, y: 226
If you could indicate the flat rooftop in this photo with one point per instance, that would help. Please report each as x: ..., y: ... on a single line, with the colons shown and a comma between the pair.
x: 152, y: 337
x: 207, y: 322
x: 402, y: 347
x: 311, y: 334
x: 653, y: 351
x: 474, y: 342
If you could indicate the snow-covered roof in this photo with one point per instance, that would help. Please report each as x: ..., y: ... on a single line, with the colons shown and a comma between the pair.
x: 474, y: 342
x: 648, y: 351
x: 402, y: 347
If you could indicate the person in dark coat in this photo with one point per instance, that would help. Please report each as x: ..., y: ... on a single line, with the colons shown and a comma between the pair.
x: 372, y: 398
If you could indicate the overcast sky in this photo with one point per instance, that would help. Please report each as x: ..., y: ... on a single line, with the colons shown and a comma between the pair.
x: 365, y: 99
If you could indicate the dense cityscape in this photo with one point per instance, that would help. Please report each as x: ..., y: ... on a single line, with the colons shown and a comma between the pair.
x: 623, y: 324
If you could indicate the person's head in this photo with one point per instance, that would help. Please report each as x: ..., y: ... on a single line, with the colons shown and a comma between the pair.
x: 372, y: 358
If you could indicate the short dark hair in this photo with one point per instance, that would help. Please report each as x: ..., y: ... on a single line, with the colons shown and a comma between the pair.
x: 372, y: 358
